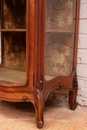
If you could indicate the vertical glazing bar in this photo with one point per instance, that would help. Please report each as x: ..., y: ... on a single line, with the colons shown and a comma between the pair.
x: 0, y: 15
x: 0, y: 32
x: 76, y: 33
x: 1, y: 26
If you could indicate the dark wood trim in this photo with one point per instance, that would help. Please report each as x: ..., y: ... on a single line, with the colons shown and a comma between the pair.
x: 12, y: 30
x: 66, y: 82
x: 40, y: 48
x: 27, y: 40
x: 76, y: 33
x: 32, y: 39
x: 2, y: 20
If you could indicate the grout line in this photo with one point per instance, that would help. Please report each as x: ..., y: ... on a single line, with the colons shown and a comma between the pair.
x: 82, y: 105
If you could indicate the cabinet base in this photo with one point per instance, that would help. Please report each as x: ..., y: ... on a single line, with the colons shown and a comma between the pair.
x: 40, y: 124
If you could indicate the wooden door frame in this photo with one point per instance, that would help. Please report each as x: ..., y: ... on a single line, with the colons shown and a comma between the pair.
x: 41, y: 83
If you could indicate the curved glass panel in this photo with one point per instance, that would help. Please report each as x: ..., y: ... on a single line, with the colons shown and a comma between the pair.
x: 12, y: 42
x: 60, y: 26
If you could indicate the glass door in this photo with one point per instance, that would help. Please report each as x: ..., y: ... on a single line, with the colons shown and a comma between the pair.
x: 13, y: 41
x: 60, y: 27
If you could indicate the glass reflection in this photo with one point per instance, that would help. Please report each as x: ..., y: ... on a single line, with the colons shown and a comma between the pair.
x: 14, y: 14
x: 60, y: 21
x: 12, y: 44
x: 13, y: 67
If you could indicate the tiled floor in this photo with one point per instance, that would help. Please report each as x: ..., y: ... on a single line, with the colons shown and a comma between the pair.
x: 21, y: 116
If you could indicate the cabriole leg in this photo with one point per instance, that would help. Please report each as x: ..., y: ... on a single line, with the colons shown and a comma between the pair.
x: 39, y: 110
x: 73, y: 94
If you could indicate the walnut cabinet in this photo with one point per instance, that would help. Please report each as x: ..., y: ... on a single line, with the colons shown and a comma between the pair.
x: 38, y: 40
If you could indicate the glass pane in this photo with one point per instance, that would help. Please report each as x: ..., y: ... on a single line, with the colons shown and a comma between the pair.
x: 60, y: 15
x: 13, y: 44
x: 60, y: 26
x: 14, y: 14
x: 13, y: 67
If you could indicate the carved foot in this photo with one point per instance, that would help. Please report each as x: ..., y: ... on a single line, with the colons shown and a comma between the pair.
x: 40, y: 124
x: 39, y: 109
x: 72, y: 99
x: 73, y: 93
x: 73, y: 106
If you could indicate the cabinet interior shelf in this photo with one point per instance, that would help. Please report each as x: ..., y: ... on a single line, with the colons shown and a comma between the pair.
x: 59, y: 31
x: 12, y: 76
x: 12, y: 30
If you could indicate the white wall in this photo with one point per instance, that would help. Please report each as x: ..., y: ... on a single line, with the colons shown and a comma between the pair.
x: 82, y: 55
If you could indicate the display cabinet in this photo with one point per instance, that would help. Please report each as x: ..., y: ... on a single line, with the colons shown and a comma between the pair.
x: 38, y: 40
